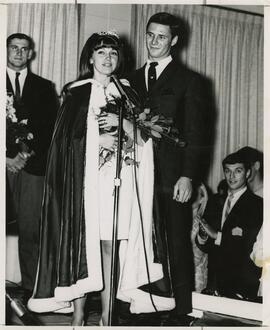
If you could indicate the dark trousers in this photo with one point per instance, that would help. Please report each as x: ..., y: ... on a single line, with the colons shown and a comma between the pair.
x: 178, y: 221
x: 28, y: 192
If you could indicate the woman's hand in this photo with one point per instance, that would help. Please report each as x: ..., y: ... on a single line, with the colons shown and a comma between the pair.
x: 108, y: 141
x: 108, y: 120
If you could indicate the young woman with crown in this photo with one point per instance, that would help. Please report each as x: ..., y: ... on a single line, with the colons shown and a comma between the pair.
x: 77, y: 212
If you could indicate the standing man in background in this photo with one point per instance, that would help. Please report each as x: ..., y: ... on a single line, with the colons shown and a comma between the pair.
x: 167, y: 87
x: 255, y: 158
x: 36, y: 103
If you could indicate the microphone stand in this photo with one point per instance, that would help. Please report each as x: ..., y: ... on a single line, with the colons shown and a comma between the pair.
x: 117, y: 185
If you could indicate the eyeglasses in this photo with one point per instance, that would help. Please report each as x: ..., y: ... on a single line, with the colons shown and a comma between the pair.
x: 16, y: 49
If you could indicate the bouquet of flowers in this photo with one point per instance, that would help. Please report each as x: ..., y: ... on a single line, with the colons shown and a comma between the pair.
x: 155, y: 126
x: 17, y: 132
x: 105, y: 155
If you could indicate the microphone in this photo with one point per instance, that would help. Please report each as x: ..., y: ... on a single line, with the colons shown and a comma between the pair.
x: 121, y: 91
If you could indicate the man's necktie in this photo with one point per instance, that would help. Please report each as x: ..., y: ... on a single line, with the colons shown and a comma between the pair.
x: 152, y: 75
x: 17, y: 88
x: 228, y: 207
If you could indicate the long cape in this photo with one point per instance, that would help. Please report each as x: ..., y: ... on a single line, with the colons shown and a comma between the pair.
x: 70, y: 259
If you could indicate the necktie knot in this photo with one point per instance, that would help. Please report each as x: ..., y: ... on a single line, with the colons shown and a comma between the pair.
x: 152, y: 75
x: 153, y: 64
x: 230, y: 196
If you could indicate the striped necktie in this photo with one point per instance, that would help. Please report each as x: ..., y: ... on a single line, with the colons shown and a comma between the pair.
x: 228, y: 206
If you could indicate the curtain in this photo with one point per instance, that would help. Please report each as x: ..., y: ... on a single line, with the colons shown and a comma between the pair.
x: 226, y: 47
x: 54, y: 29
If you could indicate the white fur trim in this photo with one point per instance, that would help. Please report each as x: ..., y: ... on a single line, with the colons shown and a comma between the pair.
x: 46, y: 305
x: 140, y: 302
x: 133, y: 272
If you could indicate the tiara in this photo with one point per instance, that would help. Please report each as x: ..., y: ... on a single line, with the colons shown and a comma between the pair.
x: 109, y: 33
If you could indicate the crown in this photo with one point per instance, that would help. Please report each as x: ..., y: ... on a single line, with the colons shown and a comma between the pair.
x: 109, y: 33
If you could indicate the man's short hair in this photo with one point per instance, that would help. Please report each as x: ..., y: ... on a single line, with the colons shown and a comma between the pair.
x: 251, y: 156
x: 166, y: 19
x: 235, y: 158
x: 21, y: 36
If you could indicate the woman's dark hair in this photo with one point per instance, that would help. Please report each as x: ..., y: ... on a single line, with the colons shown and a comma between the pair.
x: 95, y: 42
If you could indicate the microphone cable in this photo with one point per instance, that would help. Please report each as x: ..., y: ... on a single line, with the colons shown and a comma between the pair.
x: 140, y: 210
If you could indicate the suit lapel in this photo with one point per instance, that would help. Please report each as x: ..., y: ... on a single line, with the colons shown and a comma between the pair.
x: 165, y: 76
x: 28, y: 85
x: 9, y: 85
x: 235, y: 212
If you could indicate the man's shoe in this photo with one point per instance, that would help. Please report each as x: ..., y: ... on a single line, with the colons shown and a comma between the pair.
x: 179, y: 320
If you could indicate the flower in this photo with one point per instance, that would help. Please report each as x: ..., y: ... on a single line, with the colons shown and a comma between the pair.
x: 158, y: 126
x: 18, y: 134
x: 113, y: 106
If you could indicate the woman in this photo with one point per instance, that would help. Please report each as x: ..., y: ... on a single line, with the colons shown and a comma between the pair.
x: 76, y: 226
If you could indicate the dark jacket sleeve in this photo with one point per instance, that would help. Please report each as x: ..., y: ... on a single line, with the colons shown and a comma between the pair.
x: 194, y: 128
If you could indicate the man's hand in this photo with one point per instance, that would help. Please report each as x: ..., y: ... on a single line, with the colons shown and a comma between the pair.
x: 208, y: 229
x: 182, y: 190
x: 17, y: 163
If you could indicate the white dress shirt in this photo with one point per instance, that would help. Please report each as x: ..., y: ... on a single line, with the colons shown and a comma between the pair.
x: 161, y: 65
x: 12, y: 76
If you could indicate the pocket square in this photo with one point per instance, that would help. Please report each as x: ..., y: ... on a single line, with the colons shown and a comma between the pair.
x: 237, y: 231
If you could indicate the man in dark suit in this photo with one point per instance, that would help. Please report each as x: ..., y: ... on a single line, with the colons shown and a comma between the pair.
x: 231, y: 230
x: 167, y: 87
x: 36, y: 103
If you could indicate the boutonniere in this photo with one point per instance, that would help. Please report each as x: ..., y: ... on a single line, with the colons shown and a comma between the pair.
x: 237, y: 231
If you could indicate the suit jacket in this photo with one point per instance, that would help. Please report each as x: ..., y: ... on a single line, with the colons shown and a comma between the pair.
x: 177, y: 93
x: 39, y: 105
x: 230, y: 261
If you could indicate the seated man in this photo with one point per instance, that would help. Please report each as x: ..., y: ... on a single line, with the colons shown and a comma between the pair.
x: 228, y: 233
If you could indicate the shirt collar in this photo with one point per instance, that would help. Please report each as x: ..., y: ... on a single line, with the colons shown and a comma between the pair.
x: 12, y: 73
x: 163, y: 63
x: 237, y: 194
